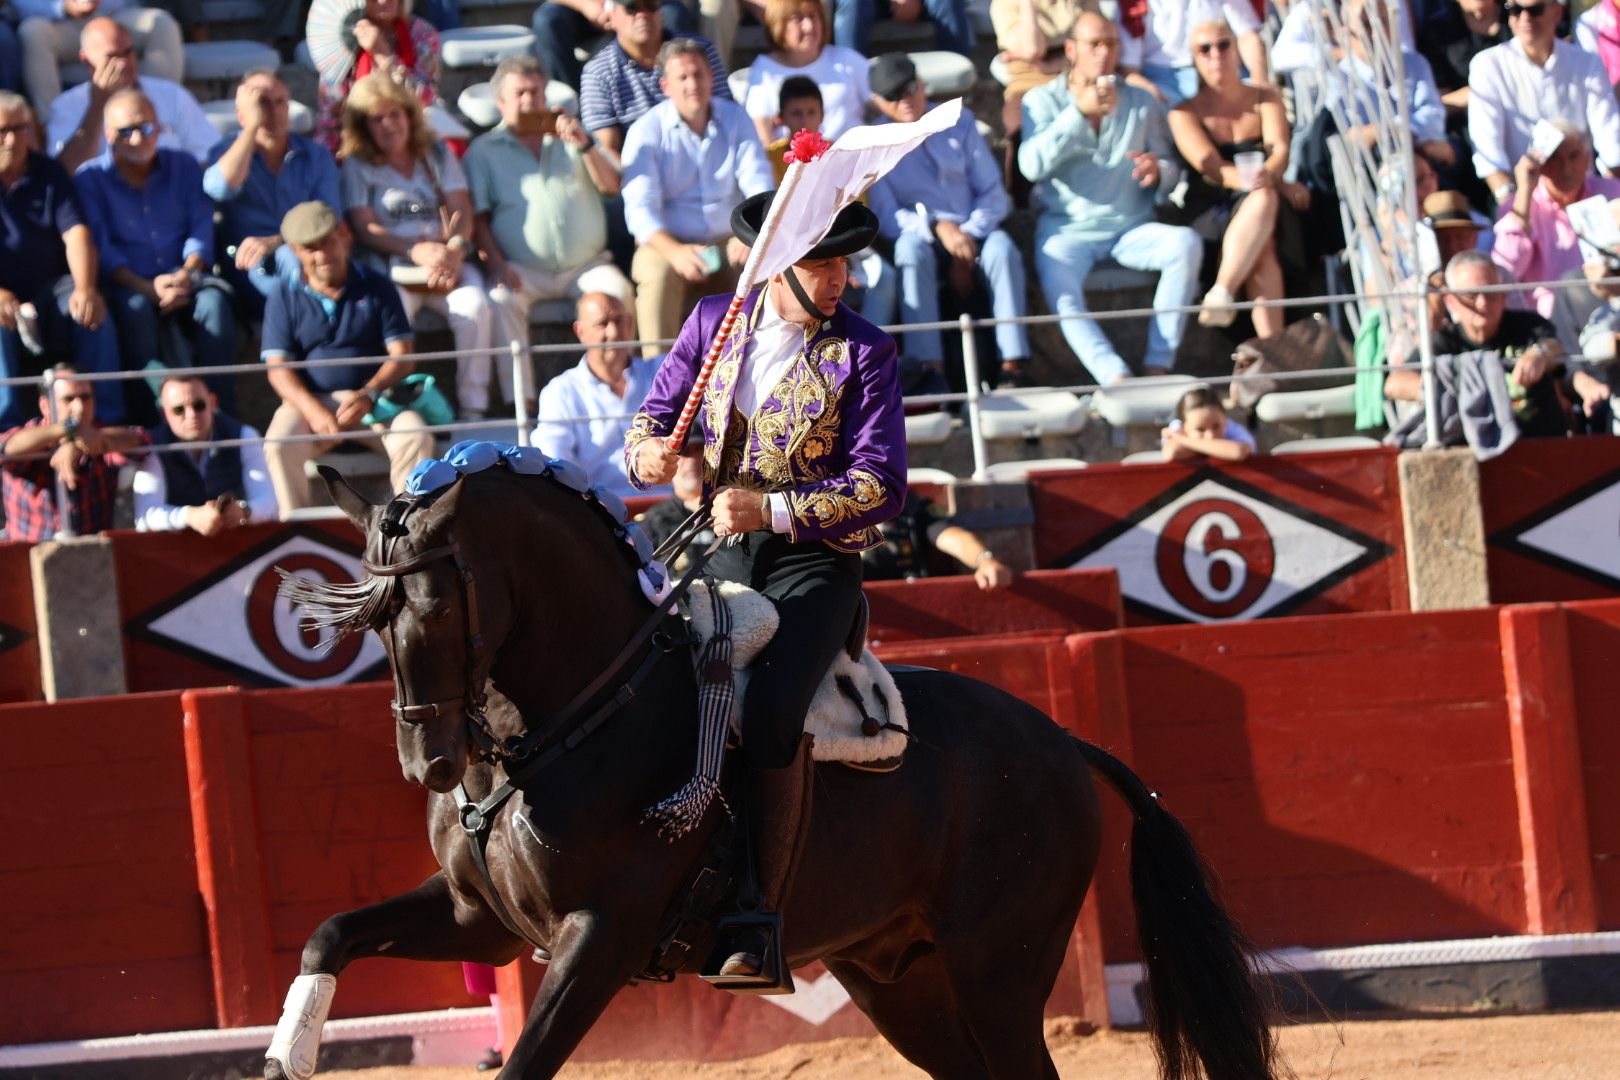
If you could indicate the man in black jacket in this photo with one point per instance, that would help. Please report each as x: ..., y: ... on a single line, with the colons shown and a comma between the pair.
x: 183, y: 485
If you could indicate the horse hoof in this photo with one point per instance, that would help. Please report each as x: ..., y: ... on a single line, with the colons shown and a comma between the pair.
x: 273, y: 1070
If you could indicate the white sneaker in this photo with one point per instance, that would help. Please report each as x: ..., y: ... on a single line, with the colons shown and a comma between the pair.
x: 1215, y: 310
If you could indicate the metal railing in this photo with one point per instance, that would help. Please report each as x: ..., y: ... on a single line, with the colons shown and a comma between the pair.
x: 972, y: 399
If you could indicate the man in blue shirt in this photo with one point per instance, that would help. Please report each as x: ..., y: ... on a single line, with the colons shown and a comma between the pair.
x: 155, y: 231
x: 943, y: 205
x: 561, y: 26
x: 259, y: 176
x: 687, y: 162
x: 49, y: 302
x: 337, y: 309
x: 1098, y: 150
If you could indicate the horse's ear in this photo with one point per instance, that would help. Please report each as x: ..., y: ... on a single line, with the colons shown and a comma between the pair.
x: 345, y: 498
x: 443, y: 511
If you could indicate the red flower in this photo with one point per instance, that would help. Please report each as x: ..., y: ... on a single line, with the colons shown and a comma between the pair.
x: 805, y: 147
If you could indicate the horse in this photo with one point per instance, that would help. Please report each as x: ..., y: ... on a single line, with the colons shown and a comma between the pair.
x: 942, y: 895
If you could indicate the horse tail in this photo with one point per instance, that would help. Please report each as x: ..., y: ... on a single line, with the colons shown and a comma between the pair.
x: 1203, y: 1002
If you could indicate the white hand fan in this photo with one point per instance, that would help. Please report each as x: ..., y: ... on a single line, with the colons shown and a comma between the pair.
x: 330, y: 36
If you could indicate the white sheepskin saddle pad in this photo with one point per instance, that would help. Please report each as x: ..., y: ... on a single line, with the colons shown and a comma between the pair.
x: 834, y: 719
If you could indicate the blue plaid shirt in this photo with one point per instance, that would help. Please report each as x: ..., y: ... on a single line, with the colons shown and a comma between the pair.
x: 615, y: 90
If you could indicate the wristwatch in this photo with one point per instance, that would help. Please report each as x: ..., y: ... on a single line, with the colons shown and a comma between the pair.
x: 1504, y: 191
x: 984, y: 556
x: 70, y: 429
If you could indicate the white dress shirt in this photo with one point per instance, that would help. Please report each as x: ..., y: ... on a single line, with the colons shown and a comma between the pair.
x: 1508, y: 94
x: 582, y: 420
x: 771, y: 350
x: 154, y: 513
x: 1164, y: 32
x: 185, y: 125
x: 683, y: 183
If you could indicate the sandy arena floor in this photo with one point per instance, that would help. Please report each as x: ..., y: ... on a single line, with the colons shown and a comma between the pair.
x: 1564, y: 1046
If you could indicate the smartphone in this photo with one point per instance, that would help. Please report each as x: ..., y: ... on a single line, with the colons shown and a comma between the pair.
x: 713, y: 258
x: 1545, y: 139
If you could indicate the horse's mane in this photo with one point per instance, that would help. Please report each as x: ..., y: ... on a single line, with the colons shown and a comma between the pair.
x: 349, y: 607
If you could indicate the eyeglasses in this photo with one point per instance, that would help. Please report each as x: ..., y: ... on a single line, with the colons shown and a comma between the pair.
x: 196, y: 405
x: 1207, y: 47
x: 1533, y: 10
x: 642, y: 7
x: 146, y: 130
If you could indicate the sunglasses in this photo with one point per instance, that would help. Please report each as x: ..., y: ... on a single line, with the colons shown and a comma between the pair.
x: 642, y: 7
x: 904, y: 92
x: 1535, y: 11
x: 196, y: 405
x: 1208, y: 47
x: 146, y: 130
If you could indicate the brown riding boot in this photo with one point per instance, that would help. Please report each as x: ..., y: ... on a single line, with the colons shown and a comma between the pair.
x: 779, y: 818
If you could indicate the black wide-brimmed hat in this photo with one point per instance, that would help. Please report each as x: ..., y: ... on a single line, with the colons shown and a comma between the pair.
x: 852, y: 230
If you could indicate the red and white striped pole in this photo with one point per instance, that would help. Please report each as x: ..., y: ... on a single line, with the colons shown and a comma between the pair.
x: 806, y: 147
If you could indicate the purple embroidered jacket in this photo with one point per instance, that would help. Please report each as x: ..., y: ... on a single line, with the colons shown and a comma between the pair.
x: 831, y: 435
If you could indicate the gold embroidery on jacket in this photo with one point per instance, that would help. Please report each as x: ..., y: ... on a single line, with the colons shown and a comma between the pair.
x: 642, y: 428
x: 829, y: 507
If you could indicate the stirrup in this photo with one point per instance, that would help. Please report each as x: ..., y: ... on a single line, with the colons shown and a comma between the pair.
x: 774, y: 976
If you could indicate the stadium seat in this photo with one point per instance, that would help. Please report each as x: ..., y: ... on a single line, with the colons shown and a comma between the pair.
x: 924, y: 475
x: 998, y: 70
x: 1142, y: 457
x: 928, y: 429
x: 737, y: 82
x: 302, y: 58
x: 1322, y: 446
x: 222, y: 114
x: 1141, y: 401
x: 444, y: 123
x: 477, y: 102
x: 483, y: 46
x: 1292, y: 406
x: 1032, y: 416
x: 227, y: 61
x: 944, y: 74
x: 215, y: 12
x: 1006, y: 472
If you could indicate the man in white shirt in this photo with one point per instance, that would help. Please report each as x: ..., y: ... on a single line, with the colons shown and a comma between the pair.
x: 208, y: 490
x: 687, y: 161
x: 73, y: 128
x: 585, y: 411
x: 50, y: 35
x: 1534, y: 77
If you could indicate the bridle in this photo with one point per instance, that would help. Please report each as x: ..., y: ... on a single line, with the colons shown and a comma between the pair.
x: 472, y: 701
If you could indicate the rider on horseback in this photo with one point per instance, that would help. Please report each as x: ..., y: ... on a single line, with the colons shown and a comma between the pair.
x: 804, y: 455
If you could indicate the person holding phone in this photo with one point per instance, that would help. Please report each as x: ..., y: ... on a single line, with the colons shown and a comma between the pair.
x: 537, y: 181
x: 1535, y: 240
x: 207, y: 489
x: 1098, y: 183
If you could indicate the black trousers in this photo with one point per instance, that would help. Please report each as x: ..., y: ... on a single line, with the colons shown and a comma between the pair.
x: 817, y: 592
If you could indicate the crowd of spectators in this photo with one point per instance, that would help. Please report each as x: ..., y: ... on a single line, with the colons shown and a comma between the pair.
x: 1155, y: 136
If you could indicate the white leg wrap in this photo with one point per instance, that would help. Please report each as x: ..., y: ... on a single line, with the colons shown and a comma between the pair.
x: 297, y: 1041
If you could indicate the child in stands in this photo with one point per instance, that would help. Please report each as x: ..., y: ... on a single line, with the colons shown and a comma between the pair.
x: 1202, y: 430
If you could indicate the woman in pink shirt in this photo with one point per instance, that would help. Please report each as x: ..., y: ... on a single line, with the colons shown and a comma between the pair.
x: 1534, y: 238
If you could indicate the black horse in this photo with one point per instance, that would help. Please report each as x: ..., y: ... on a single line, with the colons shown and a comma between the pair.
x: 942, y: 895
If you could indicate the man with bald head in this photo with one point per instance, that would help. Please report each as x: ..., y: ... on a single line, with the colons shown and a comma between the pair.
x: 585, y: 411
x: 50, y: 36
x: 155, y: 230
x: 74, y: 123
x: 1098, y: 182
x: 49, y: 301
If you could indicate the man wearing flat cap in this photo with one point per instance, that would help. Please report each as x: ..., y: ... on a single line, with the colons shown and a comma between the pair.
x: 804, y: 455
x: 337, y: 309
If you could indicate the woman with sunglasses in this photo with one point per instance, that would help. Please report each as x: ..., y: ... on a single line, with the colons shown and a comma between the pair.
x: 406, y: 199
x: 801, y: 46
x: 1235, y: 137
x: 388, y: 38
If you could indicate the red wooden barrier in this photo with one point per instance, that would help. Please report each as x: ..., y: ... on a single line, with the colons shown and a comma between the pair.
x: 1303, y: 535
x: 103, y: 934
x: 1351, y: 779
x: 1043, y: 602
x: 202, y: 611
x: 19, y: 646
x: 1551, y: 509
x: 1594, y: 655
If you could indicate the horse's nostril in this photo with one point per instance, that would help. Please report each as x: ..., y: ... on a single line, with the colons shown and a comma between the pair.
x: 439, y: 772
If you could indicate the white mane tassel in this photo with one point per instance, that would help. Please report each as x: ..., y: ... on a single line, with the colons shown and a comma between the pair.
x: 297, y: 1042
